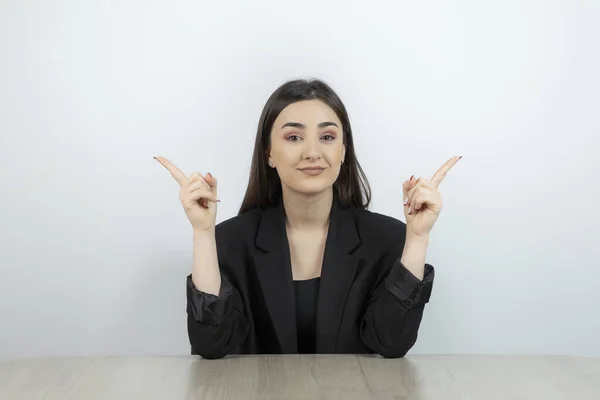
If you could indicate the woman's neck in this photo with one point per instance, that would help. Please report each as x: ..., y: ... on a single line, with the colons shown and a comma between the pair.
x: 307, y: 212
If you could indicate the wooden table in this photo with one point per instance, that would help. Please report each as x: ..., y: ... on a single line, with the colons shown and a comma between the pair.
x: 302, y: 377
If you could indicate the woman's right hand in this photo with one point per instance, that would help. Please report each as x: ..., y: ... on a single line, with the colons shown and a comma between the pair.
x: 198, y: 196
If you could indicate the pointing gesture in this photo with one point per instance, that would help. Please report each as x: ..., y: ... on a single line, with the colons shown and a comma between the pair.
x: 440, y: 174
x: 423, y: 201
x: 198, y: 196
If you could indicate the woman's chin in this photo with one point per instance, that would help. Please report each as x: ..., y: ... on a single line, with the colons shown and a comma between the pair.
x: 312, y: 188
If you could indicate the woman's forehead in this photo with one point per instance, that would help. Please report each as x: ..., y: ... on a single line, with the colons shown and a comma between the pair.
x: 307, y: 112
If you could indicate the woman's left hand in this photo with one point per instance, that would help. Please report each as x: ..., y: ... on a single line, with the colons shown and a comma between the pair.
x: 423, y: 201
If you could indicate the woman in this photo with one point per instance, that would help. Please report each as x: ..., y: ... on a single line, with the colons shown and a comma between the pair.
x: 304, y: 267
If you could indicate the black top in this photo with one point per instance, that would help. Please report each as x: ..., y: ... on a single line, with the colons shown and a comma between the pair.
x: 306, y: 314
x: 368, y: 302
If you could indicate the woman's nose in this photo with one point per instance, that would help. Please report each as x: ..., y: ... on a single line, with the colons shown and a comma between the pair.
x: 312, y: 151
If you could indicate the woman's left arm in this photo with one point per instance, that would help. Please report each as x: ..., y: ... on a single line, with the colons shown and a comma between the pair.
x: 393, y: 314
x: 414, y: 253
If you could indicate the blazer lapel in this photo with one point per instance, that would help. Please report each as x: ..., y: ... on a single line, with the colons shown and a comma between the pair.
x: 274, y: 270
x: 337, y: 275
x: 275, y: 274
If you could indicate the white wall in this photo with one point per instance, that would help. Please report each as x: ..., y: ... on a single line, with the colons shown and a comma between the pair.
x: 95, y: 247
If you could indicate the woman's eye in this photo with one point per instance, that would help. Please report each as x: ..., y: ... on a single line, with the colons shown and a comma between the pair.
x: 326, y: 137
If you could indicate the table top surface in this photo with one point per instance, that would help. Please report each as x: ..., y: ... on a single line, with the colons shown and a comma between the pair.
x: 303, y: 377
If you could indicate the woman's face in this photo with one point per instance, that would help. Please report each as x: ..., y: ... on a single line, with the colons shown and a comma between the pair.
x: 307, y: 147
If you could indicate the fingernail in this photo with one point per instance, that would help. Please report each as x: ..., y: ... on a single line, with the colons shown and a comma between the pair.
x: 411, y: 178
x: 405, y: 202
x: 209, y: 175
x: 155, y: 158
x: 218, y: 201
x: 409, y: 210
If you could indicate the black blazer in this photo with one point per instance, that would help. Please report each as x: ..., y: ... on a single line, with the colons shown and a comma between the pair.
x: 368, y: 302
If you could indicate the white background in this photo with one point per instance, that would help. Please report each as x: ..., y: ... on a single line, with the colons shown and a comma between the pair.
x: 95, y: 247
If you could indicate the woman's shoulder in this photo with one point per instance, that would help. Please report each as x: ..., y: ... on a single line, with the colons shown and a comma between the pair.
x: 379, y: 226
x: 238, y: 227
x: 240, y: 222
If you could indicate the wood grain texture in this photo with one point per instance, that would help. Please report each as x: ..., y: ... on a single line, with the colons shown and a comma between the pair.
x: 303, y: 377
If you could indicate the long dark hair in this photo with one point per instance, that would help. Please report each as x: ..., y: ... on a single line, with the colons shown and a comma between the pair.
x: 351, y: 189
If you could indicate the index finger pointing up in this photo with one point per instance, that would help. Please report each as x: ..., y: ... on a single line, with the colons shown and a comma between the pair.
x: 441, y: 173
x: 175, y: 172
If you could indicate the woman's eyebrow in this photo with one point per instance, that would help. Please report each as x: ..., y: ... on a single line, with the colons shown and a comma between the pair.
x: 302, y: 126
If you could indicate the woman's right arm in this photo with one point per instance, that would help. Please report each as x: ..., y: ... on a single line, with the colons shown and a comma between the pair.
x: 205, y: 272
x: 216, y: 321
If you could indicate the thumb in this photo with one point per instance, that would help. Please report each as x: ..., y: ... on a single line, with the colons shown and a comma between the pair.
x: 212, y: 182
x: 406, y: 186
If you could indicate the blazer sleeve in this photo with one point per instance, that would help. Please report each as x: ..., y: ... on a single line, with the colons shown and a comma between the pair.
x: 393, y: 313
x: 216, y: 324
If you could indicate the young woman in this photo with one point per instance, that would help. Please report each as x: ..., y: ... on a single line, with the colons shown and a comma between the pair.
x: 305, y: 267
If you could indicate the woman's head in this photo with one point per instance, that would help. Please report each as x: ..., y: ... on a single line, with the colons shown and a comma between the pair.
x: 304, y: 125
